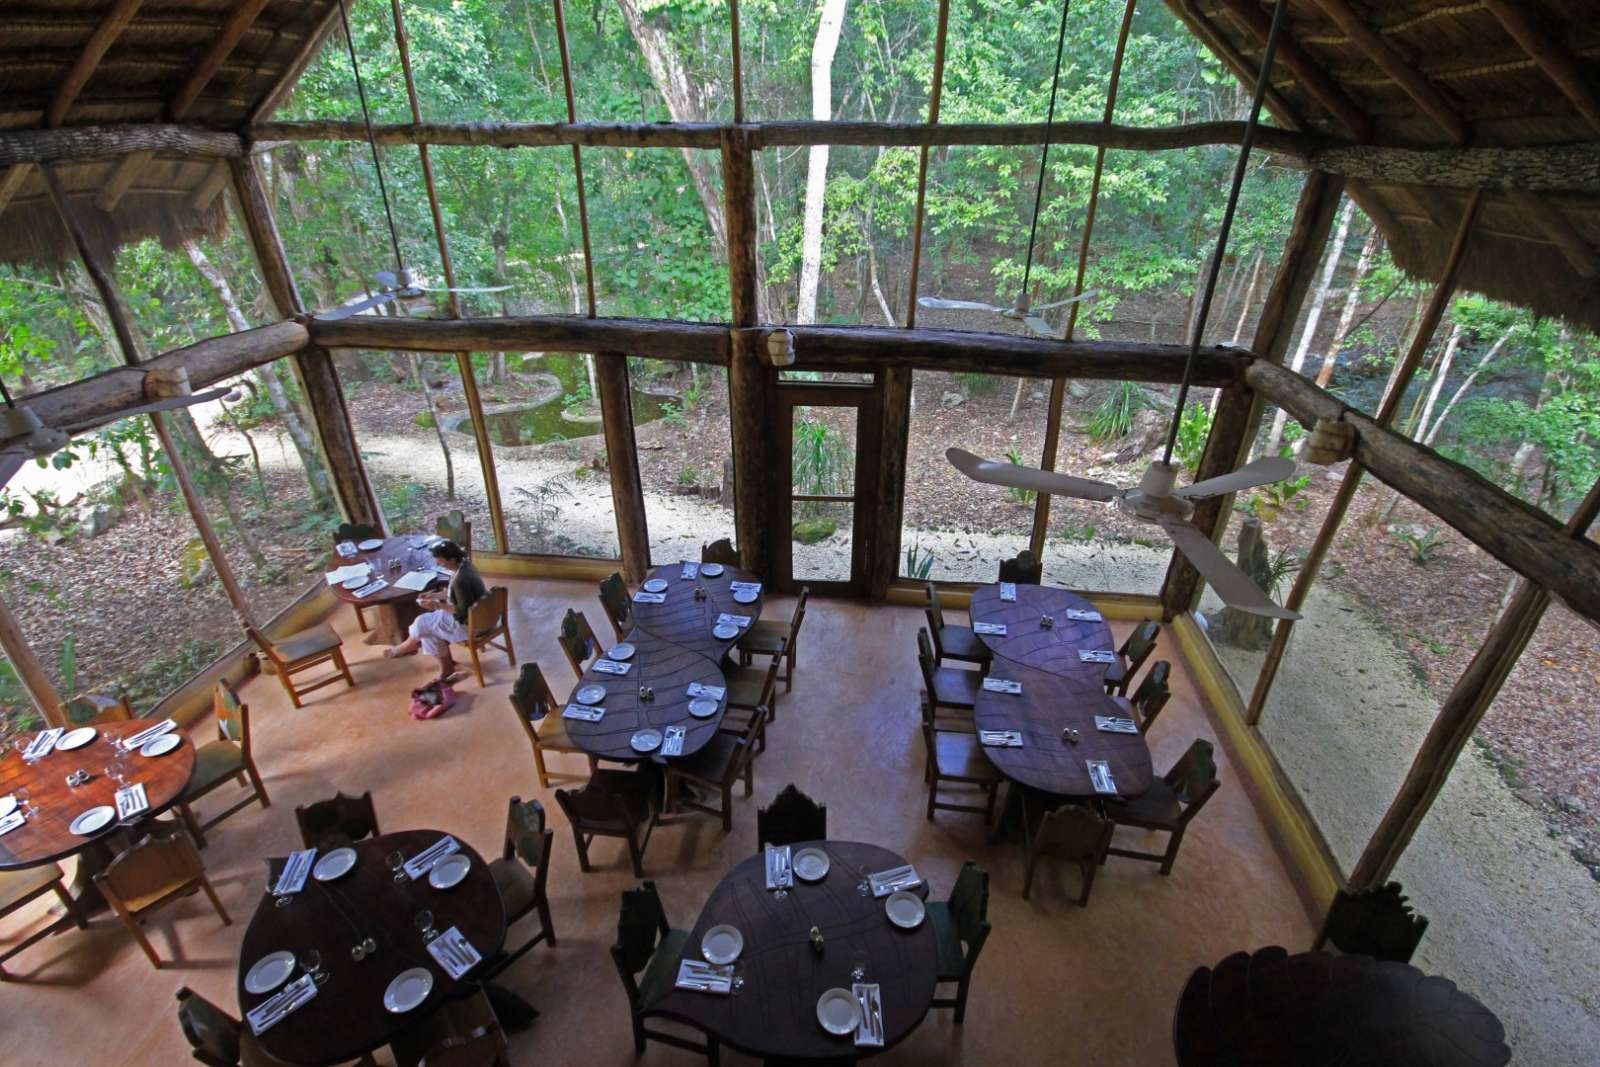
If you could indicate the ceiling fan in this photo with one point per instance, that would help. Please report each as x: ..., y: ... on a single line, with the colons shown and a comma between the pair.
x: 399, y: 286
x: 1154, y: 499
x: 1028, y: 316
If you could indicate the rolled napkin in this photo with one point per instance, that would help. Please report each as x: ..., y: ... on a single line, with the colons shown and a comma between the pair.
x: 642, y: 597
x: 584, y: 712
x: 1002, y: 685
x: 275, y: 1008
x: 151, y: 733
x: 993, y: 629
x: 713, y: 692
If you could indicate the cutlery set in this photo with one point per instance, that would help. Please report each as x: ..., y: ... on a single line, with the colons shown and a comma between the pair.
x: 454, y: 952
x: 705, y: 977
x: 893, y: 880
x: 295, y: 869
x: 780, y: 868
x: 870, y: 1032
x: 1000, y: 738
x: 425, y: 859
x: 272, y: 1010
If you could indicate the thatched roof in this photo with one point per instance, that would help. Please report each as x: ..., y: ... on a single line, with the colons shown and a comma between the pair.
x: 83, y: 62
x: 1437, y: 73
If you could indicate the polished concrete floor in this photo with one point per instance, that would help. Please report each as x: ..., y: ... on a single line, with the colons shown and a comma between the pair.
x: 1056, y: 984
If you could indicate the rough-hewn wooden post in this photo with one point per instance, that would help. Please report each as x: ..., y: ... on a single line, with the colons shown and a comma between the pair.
x: 748, y: 371
x: 319, y: 378
x: 35, y: 682
x: 622, y: 452
x: 1238, y: 409
x: 894, y: 387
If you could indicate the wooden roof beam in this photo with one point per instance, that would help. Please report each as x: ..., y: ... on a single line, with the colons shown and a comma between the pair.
x: 1553, y: 58
x: 1293, y: 58
x: 1392, y: 63
x: 1554, y: 225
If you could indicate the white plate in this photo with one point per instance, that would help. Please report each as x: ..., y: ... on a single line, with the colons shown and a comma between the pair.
x: 270, y: 972
x: 408, y: 990
x: 725, y: 631
x: 621, y: 651
x: 702, y: 707
x: 449, y: 871
x: 746, y: 596
x: 355, y: 583
x: 76, y: 738
x: 161, y: 745
x: 722, y: 944
x: 93, y: 819
x: 7, y: 806
x: 655, y: 585
x: 838, y: 1011
x: 589, y: 694
x: 334, y: 865
x: 810, y: 865
x: 371, y: 544
x: 646, y: 740
x: 905, y: 910
x: 711, y: 570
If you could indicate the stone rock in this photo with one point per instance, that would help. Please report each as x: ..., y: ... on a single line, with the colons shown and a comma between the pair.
x: 1037, y: 394
x: 1572, y: 804
x: 1078, y: 390
x: 952, y: 400
x: 95, y: 519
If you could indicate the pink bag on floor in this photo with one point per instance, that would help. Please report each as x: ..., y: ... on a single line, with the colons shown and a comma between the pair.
x: 432, y: 700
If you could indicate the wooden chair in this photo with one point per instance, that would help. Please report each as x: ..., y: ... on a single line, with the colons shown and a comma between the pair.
x: 720, y: 551
x: 790, y: 818
x: 300, y: 652
x: 356, y: 532
x: 751, y: 687
x: 646, y: 953
x: 724, y: 760
x: 949, y: 687
x: 614, y: 804
x: 217, y: 1039
x: 961, y: 926
x: 958, y: 643
x: 454, y: 526
x: 1151, y: 696
x: 578, y: 641
x: 153, y: 873
x: 1377, y: 921
x: 21, y: 887
x: 1170, y: 802
x: 956, y: 756
x: 339, y: 820
x: 461, y: 1032
x: 484, y: 1047
x: 776, y: 639
x: 617, y: 604
x: 541, y: 719
x: 488, y: 619
x: 520, y: 875
x: 1070, y: 832
x: 227, y: 759
x: 1131, y: 656
x: 1022, y: 569
x: 94, y: 709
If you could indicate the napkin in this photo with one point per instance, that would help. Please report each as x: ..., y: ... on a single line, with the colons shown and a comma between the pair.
x: 11, y: 822
x: 642, y: 597
x: 870, y: 1032
x: 1082, y: 615
x: 705, y: 977
x: 131, y: 800
x: 295, y: 869
x: 452, y: 951
x: 583, y: 712
x: 346, y: 549
x: 611, y: 666
x: 672, y: 743
x: 740, y: 621
x: 151, y: 733
x: 414, y: 580
x: 690, y: 570
x: 273, y: 1010
x: 754, y: 587
x: 1000, y: 738
x: 344, y: 574
x: 1112, y: 725
x: 372, y: 587
x: 780, y: 868
x: 46, y: 741
x: 714, y: 692
x: 1002, y: 685
x: 418, y: 865
x: 994, y: 629
x: 1097, y: 655
x: 1100, y: 776
x: 894, y: 879
x: 1008, y: 591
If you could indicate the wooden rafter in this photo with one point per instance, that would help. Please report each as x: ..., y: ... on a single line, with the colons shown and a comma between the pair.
x: 1311, y: 76
x: 1560, y: 231
x: 1557, y: 63
x: 1392, y: 63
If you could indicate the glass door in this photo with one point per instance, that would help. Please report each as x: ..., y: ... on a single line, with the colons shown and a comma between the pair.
x: 826, y: 508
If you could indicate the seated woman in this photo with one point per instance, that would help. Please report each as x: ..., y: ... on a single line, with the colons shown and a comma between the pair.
x: 444, y: 617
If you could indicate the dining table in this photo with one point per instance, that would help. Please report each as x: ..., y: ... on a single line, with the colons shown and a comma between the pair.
x: 674, y: 645
x: 771, y: 1011
x: 392, y: 608
x: 1062, y: 694
x: 46, y: 835
x: 365, y: 911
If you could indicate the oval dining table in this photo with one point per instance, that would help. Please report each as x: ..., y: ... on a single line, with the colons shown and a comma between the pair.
x: 393, y: 608
x: 673, y: 647
x: 774, y: 1014
x: 1059, y: 692
x: 347, y: 1017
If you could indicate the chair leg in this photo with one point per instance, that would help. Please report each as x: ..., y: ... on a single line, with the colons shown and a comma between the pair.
x: 933, y: 794
x: 636, y: 854
x: 988, y: 813
x: 511, y: 650
x: 638, y: 1034
x: 1030, y: 861
x: 288, y: 687
x: 538, y: 762
x: 727, y: 808
x: 191, y: 824
x: 1088, y: 869
x: 138, y: 935
x: 961, y: 1000
x: 583, y: 850
x: 548, y: 922
x: 71, y: 906
x: 1172, y: 850
x: 344, y: 668
x: 205, y: 883
x: 713, y: 1052
x: 361, y: 619
x: 477, y: 663
x: 256, y: 783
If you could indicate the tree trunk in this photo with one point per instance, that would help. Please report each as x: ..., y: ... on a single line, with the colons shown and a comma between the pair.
x: 1461, y: 390
x: 1352, y: 300
x: 1249, y: 297
x: 822, y: 53
x: 1308, y: 333
x: 1437, y: 385
x: 684, y: 104
x: 438, y: 427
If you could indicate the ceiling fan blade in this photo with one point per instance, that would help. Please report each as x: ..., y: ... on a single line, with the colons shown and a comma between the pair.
x: 166, y: 404
x: 1087, y: 294
x: 941, y: 304
x: 1040, y: 327
x: 1263, y: 471
x: 490, y: 289
x: 11, y: 461
x: 1230, y: 583
x: 1007, y: 473
x: 388, y: 279
x: 359, y: 306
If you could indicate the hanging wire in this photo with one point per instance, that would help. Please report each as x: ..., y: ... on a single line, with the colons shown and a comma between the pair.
x: 1044, y: 156
x: 1239, y: 167
x: 372, y: 143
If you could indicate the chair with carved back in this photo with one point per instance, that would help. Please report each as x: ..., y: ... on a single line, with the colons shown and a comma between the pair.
x: 955, y: 756
x: 950, y: 642
x: 1169, y: 804
x: 217, y: 1039
x: 790, y: 818
x: 96, y: 709
x: 623, y: 804
x: 1131, y: 656
x: 520, y: 875
x: 578, y: 641
x: 461, y: 1032
x: 948, y: 687
x: 961, y: 926
x: 1022, y: 569
x: 1151, y: 696
x: 355, y: 533
x: 754, y: 687
x: 1377, y: 921
x: 150, y: 875
x: 300, y: 652
x: 540, y: 714
x: 715, y: 768
x: 227, y: 759
x: 487, y: 619
x: 720, y: 551
x: 454, y: 526
x: 337, y: 821
x: 20, y: 888
x: 646, y: 954
x: 772, y: 637
x: 617, y: 604
x: 1072, y: 832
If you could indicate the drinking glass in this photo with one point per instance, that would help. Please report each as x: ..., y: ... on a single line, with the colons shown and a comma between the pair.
x: 424, y: 921
x: 858, y: 960
x: 397, y: 864
x: 737, y: 985
x: 311, y: 963
x: 117, y: 772
x: 24, y: 803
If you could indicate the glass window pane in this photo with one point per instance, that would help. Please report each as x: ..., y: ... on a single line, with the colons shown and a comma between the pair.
x: 824, y: 538
x: 823, y: 457
x: 685, y: 446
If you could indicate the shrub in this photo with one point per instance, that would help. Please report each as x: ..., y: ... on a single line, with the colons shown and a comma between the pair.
x: 811, y: 531
x: 1113, y: 418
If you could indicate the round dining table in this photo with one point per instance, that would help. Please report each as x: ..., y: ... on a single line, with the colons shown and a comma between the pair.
x: 773, y: 1015
x: 1059, y: 692
x: 392, y: 608
x: 674, y: 646
x: 46, y: 836
x: 347, y: 1018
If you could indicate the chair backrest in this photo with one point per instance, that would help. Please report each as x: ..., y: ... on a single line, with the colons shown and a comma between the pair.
x: 749, y: 740
x: 1023, y: 569
x: 935, y: 615
x: 925, y: 658
x: 531, y: 698
x: 338, y: 819
x: 791, y: 817
x: 1140, y: 644
x: 487, y: 616
x: 151, y: 866
x: 617, y: 604
x: 578, y: 640
x: 212, y: 1033
x: 1194, y: 777
x: 1377, y: 921
x: 233, y: 715
x: 593, y: 808
x: 529, y: 838
x: 454, y: 526
x: 1152, y: 694
x: 799, y: 615
x: 93, y: 709
x: 641, y: 925
x: 769, y: 686
x: 969, y: 910
x: 485, y: 1046
x: 1073, y: 832
x: 720, y: 551
x: 267, y: 647
x: 355, y: 531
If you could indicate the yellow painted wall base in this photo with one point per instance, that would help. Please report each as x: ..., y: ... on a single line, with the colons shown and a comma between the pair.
x: 958, y: 595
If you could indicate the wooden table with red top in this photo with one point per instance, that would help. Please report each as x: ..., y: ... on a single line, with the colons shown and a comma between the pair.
x: 392, y: 609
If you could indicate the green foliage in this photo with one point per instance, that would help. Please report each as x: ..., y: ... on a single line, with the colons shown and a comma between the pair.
x: 545, y: 501
x: 576, y: 401
x: 404, y: 505
x: 1193, y: 431
x: 688, y: 477
x: 823, y: 463
x: 693, y: 394
x: 1018, y: 494
x: 1425, y: 545
x: 425, y: 420
x: 672, y: 414
x: 193, y: 562
x: 919, y: 561
x: 1281, y: 566
x: 980, y: 384
x: 1113, y: 417
x: 811, y: 531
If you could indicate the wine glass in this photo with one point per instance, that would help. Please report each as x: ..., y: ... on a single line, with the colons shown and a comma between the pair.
x: 25, y: 802
x: 858, y: 960
x: 311, y: 963
x: 424, y: 921
x: 737, y: 985
x: 397, y: 864
x: 117, y: 772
